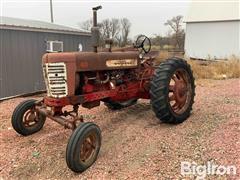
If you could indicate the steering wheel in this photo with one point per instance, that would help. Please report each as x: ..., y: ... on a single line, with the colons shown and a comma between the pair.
x: 144, y: 43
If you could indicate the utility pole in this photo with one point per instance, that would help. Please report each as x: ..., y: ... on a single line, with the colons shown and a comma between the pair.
x: 51, y: 10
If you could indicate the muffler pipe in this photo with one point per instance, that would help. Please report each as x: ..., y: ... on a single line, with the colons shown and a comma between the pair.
x: 95, y: 29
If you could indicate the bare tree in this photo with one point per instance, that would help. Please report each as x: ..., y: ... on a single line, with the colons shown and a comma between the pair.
x: 110, y: 28
x: 86, y: 25
x: 105, y: 28
x: 125, y: 25
x: 119, y: 39
x: 176, y: 25
x: 113, y: 28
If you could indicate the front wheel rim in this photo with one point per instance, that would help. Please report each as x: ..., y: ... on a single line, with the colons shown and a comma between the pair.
x: 30, y: 118
x: 88, y: 148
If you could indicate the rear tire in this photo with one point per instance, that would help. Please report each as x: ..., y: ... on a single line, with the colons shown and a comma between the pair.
x: 25, y: 120
x: 172, y: 91
x: 83, y: 147
x: 113, y: 105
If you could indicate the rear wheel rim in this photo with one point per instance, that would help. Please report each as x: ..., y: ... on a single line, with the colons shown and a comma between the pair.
x: 180, y: 91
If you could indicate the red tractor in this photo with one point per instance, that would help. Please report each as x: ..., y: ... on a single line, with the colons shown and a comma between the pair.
x: 116, y: 77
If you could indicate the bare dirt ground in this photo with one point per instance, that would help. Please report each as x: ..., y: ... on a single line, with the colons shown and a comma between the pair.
x: 135, y: 144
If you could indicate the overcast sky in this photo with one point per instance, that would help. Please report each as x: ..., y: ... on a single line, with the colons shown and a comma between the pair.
x: 147, y: 17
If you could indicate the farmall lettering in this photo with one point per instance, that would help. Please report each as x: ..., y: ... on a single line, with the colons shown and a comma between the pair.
x: 118, y: 78
x: 122, y: 63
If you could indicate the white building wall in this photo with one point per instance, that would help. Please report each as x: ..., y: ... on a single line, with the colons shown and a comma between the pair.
x: 215, y: 40
x: 213, y: 10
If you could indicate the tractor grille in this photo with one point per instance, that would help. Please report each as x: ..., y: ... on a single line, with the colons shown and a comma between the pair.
x: 55, y: 76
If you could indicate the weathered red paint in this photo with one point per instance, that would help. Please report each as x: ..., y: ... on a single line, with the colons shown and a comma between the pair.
x: 128, y: 91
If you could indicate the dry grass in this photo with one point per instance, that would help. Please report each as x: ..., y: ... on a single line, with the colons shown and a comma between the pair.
x: 216, y: 70
x: 166, y: 54
x: 209, y: 69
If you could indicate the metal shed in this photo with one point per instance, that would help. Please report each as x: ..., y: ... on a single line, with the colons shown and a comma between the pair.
x: 22, y: 44
x: 213, y: 30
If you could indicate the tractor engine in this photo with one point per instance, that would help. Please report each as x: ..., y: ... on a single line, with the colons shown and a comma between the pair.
x: 107, y: 76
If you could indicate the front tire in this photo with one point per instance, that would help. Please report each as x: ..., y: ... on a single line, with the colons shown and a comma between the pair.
x: 172, y: 91
x: 83, y: 147
x: 25, y: 119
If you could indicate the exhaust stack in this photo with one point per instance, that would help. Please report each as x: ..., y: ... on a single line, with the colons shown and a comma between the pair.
x: 95, y: 29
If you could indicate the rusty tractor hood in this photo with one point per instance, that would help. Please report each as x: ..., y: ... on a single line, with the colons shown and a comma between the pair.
x: 91, y: 61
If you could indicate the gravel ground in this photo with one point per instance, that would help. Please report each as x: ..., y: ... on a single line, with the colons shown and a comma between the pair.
x: 135, y: 144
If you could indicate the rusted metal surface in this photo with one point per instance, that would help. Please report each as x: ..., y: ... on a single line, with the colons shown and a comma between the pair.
x: 30, y: 118
x: 98, y: 61
x: 95, y: 30
x: 180, y: 91
x: 67, y: 123
x: 90, y: 61
x: 138, y: 88
x: 60, y: 102
x: 70, y: 60
x: 88, y: 147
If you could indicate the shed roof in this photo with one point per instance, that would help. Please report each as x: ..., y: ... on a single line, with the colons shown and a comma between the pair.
x: 214, y: 10
x: 35, y: 25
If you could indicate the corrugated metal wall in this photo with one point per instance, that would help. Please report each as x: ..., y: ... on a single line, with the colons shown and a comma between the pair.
x: 20, y: 58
